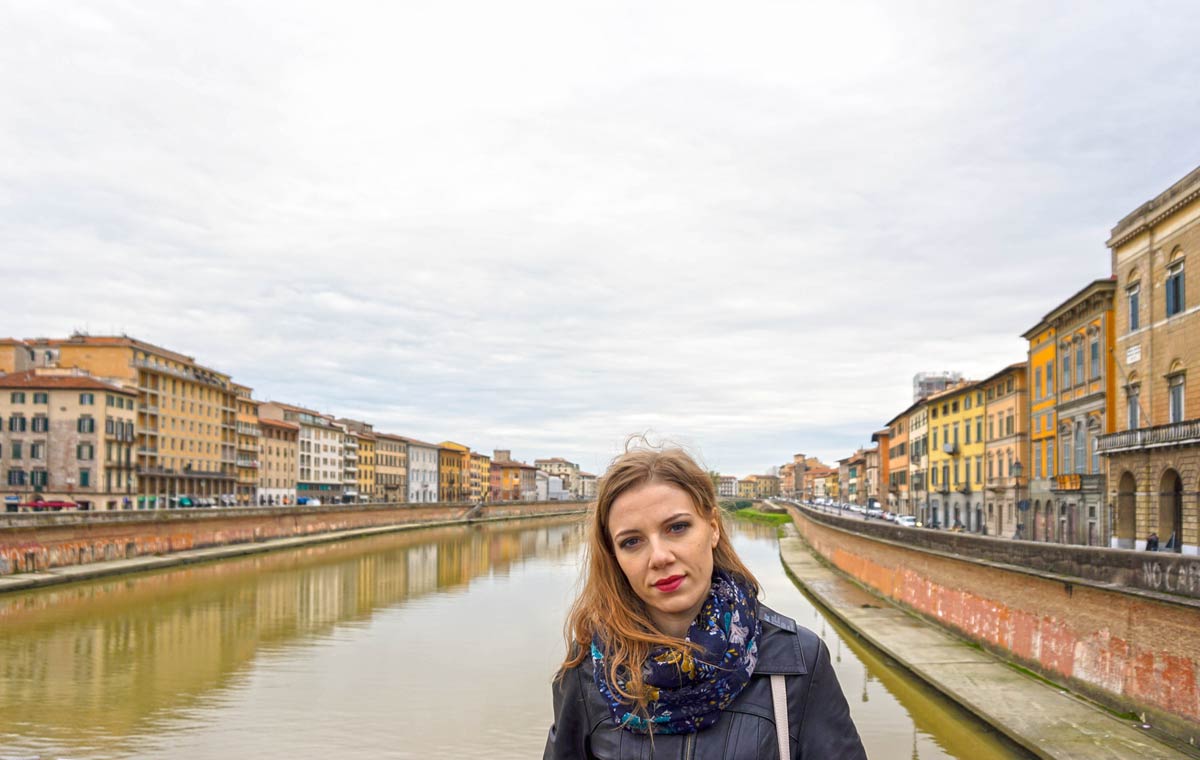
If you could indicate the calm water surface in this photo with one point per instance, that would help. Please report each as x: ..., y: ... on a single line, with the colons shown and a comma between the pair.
x: 437, y: 643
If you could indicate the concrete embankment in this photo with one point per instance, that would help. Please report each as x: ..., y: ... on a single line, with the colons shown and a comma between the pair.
x: 42, y: 550
x: 1134, y: 651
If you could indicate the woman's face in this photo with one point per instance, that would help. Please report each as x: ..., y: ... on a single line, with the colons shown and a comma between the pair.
x: 665, y: 550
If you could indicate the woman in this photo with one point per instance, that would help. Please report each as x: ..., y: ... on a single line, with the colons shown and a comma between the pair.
x: 670, y: 653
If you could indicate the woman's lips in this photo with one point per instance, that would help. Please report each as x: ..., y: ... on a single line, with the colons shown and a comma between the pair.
x: 667, y: 585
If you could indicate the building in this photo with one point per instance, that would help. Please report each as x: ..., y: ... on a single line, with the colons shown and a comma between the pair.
x: 1006, y: 445
x: 320, y: 444
x: 186, y: 415
x: 67, y: 436
x: 748, y: 487
x: 874, y: 474
x: 454, y: 471
x: 278, y: 462
x: 481, y: 477
x: 852, y: 477
x: 391, y: 468
x: 1154, y: 455
x: 359, y: 459
x: 568, y: 471
x: 918, y: 462
x: 587, y: 486
x: 1038, y: 474
x: 787, y: 479
x: 507, y: 477
x: 423, y: 472
x: 956, y: 457
x: 898, y: 499
x: 247, y: 446
x: 1083, y: 328
x: 727, y: 487
x: 926, y: 384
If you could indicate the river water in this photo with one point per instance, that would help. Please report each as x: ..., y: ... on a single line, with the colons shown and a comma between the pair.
x: 435, y: 643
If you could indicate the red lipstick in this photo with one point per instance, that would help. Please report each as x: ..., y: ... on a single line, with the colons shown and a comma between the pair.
x: 667, y: 585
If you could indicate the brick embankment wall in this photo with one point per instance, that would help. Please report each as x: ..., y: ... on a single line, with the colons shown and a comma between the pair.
x: 34, y: 542
x: 1131, y: 649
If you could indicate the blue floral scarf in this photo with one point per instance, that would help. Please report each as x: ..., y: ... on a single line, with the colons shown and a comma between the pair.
x: 687, y: 691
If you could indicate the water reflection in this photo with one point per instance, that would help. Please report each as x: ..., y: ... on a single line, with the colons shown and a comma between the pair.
x: 85, y: 666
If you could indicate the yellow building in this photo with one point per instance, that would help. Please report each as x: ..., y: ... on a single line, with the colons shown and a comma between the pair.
x: 956, y: 451
x: 1043, y: 424
x: 248, y: 435
x: 766, y: 486
x: 367, y: 444
x: 481, y: 477
x: 748, y: 487
x: 186, y: 412
x: 391, y: 468
x: 454, y: 468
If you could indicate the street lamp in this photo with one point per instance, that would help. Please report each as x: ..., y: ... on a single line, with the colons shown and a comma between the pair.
x: 1016, y: 469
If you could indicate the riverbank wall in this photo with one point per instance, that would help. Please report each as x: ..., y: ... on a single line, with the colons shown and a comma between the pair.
x: 1078, y: 616
x: 31, y: 543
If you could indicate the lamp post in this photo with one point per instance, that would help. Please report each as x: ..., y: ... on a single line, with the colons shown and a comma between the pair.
x: 1016, y: 470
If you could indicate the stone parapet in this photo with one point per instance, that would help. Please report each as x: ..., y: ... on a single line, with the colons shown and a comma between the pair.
x: 34, y: 542
x: 1100, y: 621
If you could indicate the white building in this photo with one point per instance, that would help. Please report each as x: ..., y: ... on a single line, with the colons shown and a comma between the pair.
x: 422, y: 472
x: 567, y: 471
x: 727, y: 487
x: 587, y: 486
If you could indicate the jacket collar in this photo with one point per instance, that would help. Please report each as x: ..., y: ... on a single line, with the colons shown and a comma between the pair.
x: 779, y: 649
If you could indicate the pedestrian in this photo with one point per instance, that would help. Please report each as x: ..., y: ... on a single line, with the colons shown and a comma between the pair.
x: 669, y: 649
x: 1152, y: 542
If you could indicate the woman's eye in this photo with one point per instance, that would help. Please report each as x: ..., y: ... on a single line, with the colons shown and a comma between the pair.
x: 679, y: 527
x: 629, y: 543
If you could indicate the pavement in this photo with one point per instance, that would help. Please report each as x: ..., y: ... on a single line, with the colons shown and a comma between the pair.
x: 1047, y: 721
x: 92, y: 570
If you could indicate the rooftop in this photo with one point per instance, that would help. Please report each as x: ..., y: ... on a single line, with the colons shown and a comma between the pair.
x: 40, y: 379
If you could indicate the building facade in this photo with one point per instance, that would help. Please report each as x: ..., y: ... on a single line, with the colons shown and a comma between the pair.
x: 320, y: 460
x: 956, y: 458
x: 391, y: 468
x: 248, y: 446
x: 1154, y: 455
x: 568, y: 471
x: 1043, y: 448
x: 727, y: 487
x: 926, y: 384
x: 1006, y: 445
x: 1083, y: 327
x: 918, y: 462
x: 454, y: 471
x: 481, y: 477
x: 423, y: 472
x: 67, y: 436
x: 898, y: 499
x: 278, y: 462
x: 186, y: 415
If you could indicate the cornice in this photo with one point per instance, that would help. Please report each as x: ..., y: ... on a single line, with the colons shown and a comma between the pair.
x: 1153, y: 211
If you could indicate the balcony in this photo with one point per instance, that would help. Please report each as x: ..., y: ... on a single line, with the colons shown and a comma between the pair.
x: 1186, y: 433
x: 148, y: 408
x: 251, y: 463
x: 1093, y: 483
x: 1001, y: 484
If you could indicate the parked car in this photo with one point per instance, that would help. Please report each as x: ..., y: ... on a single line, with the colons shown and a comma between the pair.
x: 874, y: 512
x: 907, y: 521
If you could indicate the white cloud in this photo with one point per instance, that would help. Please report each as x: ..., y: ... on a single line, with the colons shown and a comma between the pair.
x: 543, y: 226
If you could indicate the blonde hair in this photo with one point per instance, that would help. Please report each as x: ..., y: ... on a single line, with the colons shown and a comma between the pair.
x: 607, y: 605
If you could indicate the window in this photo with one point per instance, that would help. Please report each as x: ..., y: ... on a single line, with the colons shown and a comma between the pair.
x: 1066, y: 454
x: 978, y: 469
x: 85, y: 452
x: 18, y: 397
x: 1037, y: 384
x: 979, y: 428
x: 1096, y: 456
x: 967, y: 402
x: 1037, y: 459
x: 1080, y: 449
x: 15, y: 450
x: 85, y: 478
x: 1008, y: 423
x: 1009, y: 388
x: 954, y: 406
x: 991, y: 467
x: 87, y: 399
x: 16, y: 424
x: 16, y: 477
x: 1079, y: 375
x: 1131, y: 406
x: 935, y: 438
x: 1175, y: 289
x: 41, y: 424
x: 956, y: 434
x: 1049, y: 460
x: 1133, y: 297
x: 967, y: 434
x: 991, y: 427
x: 1175, y: 397
x: 86, y: 425
x: 38, y: 478
x: 1066, y: 369
x: 41, y: 398
x: 37, y: 451
x: 1095, y: 357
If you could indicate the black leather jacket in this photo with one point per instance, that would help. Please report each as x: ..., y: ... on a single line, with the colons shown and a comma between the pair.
x: 819, y: 722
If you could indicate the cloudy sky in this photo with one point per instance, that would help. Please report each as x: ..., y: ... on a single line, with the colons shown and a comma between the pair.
x: 547, y: 225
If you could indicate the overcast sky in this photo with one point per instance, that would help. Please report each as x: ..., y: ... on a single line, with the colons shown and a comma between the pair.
x: 547, y: 225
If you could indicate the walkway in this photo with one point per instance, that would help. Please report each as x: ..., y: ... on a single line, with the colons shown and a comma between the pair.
x: 1049, y: 722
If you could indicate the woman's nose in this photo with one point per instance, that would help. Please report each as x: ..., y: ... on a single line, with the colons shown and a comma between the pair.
x: 660, y: 554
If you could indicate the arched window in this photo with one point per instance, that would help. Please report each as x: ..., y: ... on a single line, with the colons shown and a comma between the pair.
x: 1175, y: 300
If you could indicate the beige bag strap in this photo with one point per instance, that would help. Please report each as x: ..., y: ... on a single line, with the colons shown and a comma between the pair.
x: 779, y: 700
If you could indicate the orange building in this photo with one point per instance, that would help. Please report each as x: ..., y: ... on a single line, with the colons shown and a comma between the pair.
x: 454, y: 470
